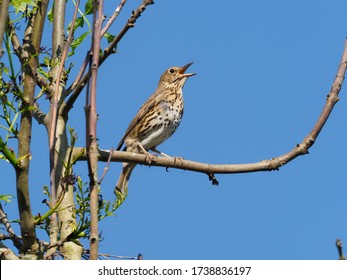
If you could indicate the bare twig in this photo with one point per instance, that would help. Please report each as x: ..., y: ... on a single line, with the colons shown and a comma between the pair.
x: 106, y: 168
x: 109, y: 256
x: 39, y: 115
x: 107, y: 52
x: 113, y: 17
x: 80, y: 74
x: 87, y: 58
x: 91, y: 138
x: 3, y: 21
x: 130, y: 24
x: 264, y: 165
x: 15, y: 239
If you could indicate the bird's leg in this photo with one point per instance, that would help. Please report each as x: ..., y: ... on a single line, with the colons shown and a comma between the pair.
x: 149, y: 157
x: 154, y: 149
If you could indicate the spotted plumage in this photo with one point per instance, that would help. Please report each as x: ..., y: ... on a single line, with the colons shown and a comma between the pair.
x: 156, y: 121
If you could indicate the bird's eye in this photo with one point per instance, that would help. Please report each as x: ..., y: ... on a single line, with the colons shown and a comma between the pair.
x: 172, y: 70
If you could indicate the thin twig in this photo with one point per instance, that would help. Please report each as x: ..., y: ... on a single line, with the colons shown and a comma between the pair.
x: 87, y: 58
x: 15, y: 239
x: 107, y: 52
x: 113, y: 17
x: 106, y: 168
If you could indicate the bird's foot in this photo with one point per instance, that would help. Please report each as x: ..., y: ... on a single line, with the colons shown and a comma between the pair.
x: 150, y: 158
x: 178, y: 159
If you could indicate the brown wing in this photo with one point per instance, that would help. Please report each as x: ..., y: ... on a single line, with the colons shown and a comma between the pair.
x: 151, y: 102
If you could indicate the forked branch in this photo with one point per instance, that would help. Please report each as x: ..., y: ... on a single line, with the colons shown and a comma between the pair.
x: 80, y: 82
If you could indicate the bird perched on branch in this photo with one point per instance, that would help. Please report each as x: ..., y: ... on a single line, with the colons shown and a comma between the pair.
x: 156, y: 121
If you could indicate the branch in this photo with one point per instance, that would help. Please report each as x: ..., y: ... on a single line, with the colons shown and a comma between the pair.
x: 106, y: 168
x: 91, y: 139
x: 6, y: 253
x: 87, y: 58
x: 59, y: 11
x: 3, y: 22
x: 113, y: 17
x: 130, y: 24
x: 15, y: 239
x: 29, y: 50
x: 77, y: 88
x: 39, y: 116
x: 211, y: 169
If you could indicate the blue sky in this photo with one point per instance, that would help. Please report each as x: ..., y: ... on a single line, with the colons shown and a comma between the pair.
x: 263, y: 70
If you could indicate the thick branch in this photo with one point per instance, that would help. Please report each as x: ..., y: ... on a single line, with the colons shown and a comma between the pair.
x: 6, y: 253
x: 264, y: 165
x: 29, y: 51
x: 58, y: 138
x: 59, y: 54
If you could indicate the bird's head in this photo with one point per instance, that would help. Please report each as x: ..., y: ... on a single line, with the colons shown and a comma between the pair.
x: 175, y: 76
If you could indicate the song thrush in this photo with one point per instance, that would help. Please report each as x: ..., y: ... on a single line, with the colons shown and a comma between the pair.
x: 156, y: 121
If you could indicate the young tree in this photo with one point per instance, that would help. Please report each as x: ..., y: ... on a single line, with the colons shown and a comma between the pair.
x: 33, y: 74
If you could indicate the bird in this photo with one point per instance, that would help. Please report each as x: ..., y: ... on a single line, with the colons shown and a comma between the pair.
x: 155, y: 122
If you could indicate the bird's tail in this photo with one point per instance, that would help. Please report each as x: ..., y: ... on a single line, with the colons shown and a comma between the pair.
x: 121, y: 189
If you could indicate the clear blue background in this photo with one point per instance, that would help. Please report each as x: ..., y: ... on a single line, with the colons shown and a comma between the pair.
x: 264, y: 70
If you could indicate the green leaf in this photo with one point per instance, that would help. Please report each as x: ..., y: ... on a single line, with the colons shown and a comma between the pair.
x: 42, y: 72
x: 4, y: 69
x: 89, y: 7
x: 75, y: 43
x: 109, y: 37
x: 21, y: 5
x: 78, y: 23
x: 47, y: 61
x: 6, y: 197
x: 50, y: 15
x: 46, y: 190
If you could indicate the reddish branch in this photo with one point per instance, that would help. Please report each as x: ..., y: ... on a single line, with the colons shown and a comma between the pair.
x: 80, y: 82
x: 87, y: 58
x: 91, y: 138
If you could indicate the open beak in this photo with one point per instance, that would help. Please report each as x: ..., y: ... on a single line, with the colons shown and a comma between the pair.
x: 183, y: 70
